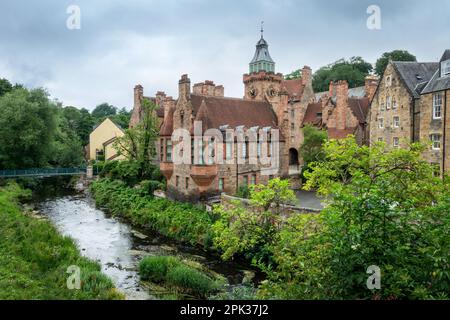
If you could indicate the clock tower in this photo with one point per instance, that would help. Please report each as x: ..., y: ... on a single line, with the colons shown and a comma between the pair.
x: 262, y: 82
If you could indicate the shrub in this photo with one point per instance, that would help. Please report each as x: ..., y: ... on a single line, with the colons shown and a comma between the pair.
x: 190, y: 279
x: 154, y: 268
x: 243, y: 191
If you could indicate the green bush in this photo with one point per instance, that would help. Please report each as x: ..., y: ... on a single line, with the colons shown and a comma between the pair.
x: 154, y: 268
x: 180, y: 221
x: 190, y: 279
x: 243, y: 191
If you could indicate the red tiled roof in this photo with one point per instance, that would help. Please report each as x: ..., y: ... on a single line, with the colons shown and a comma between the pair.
x: 312, y: 114
x: 294, y: 87
x: 219, y: 111
x: 167, y: 125
x: 360, y: 108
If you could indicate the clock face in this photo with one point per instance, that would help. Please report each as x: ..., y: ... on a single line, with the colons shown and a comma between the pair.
x: 252, y: 92
x: 271, y: 92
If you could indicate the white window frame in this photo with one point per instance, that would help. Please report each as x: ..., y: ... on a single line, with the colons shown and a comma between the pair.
x: 396, y: 142
x: 388, y: 102
x: 437, y: 106
x: 394, y: 104
x: 396, y: 122
x: 388, y: 81
x: 382, y: 106
x: 436, y: 141
x: 381, y: 123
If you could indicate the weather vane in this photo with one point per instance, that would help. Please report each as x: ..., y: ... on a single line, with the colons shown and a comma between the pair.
x: 262, y: 28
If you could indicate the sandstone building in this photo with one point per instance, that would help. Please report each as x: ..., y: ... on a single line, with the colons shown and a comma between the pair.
x: 411, y: 105
x: 270, y: 103
x: 101, y: 141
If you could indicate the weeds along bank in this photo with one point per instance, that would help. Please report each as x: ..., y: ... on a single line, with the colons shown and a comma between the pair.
x: 34, y: 257
x: 179, y: 221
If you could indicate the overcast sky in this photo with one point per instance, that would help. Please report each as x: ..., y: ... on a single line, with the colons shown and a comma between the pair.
x: 122, y: 43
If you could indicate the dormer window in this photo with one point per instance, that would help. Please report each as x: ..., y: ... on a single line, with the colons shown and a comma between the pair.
x: 388, y: 81
x: 445, y: 68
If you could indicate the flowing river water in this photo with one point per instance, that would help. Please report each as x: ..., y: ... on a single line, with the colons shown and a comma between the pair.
x: 118, y: 247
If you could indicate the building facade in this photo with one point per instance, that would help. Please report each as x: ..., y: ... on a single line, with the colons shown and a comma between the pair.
x: 101, y: 141
x: 411, y: 105
x: 270, y: 104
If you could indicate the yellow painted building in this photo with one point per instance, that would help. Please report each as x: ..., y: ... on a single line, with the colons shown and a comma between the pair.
x: 101, y: 141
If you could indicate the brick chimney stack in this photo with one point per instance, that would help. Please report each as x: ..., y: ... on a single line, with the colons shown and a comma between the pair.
x: 209, y: 89
x: 184, y: 88
x: 371, y: 85
x: 137, y: 108
x: 306, y: 75
x: 341, y: 88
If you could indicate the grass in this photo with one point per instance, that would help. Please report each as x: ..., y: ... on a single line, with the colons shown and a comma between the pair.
x: 173, y: 273
x: 34, y: 258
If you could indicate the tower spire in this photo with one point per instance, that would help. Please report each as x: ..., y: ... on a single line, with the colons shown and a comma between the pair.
x: 261, y: 60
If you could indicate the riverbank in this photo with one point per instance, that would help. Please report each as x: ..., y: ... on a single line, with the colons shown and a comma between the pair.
x: 34, y: 257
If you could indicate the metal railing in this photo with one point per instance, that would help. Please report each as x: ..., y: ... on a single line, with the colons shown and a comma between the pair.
x: 42, y: 172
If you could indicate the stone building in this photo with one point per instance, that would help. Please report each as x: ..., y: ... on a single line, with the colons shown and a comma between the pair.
x: 410, y: 105
x: 270, y: 103
x: 342, y: 111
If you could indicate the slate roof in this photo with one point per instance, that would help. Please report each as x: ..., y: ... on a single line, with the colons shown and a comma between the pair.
x: 438, y: 83
x: 414, y: 73
x: 262, y: 52
x: 360, y: 108
x: 358, y: 92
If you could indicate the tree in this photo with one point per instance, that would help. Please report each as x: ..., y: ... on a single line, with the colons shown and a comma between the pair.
x: 252, y: 230
x: 396, y: 55
x: 385, y: 210
x: 5, y: 87
x: 79, y: 121
x: 122, y: 118
x: 139, y: 143
x: 103, y: 111
x: 27, y: 128
x: 311, y: 149
x: 297, y: 74
x: 353, y: 70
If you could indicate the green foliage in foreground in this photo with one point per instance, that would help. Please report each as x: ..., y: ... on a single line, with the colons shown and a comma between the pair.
x: 174, y: 273
x: 182, y: 222
x: 385, y: 209
x: 34, y: 258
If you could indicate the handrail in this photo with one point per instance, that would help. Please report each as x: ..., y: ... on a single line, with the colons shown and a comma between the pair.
x: 41, y: 172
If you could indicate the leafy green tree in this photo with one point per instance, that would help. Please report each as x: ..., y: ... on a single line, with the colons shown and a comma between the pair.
x: 122, y: 118
x: 103, y: 111
x: 297, y: 74
x: 311, y: 149
x: 252, y: 230
x: 28, y: 127
x: 139, y: 143
x: 5, y: 87
x: 386, y: 209
x: 79, y: 121
x: 353, y: 70
x: 396, y: 55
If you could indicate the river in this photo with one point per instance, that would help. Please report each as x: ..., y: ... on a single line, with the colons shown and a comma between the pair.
x: 118, y: 247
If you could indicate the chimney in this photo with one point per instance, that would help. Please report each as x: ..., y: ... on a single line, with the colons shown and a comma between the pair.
x: 371, y: 85
x: 306, y: 75
x: 341, y: 88
x: 184, y: 87
x: 160, y: 96
x: 208, y: 89
x: 341, y: 93
x: 138, y: 95
x: 219, y: 91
